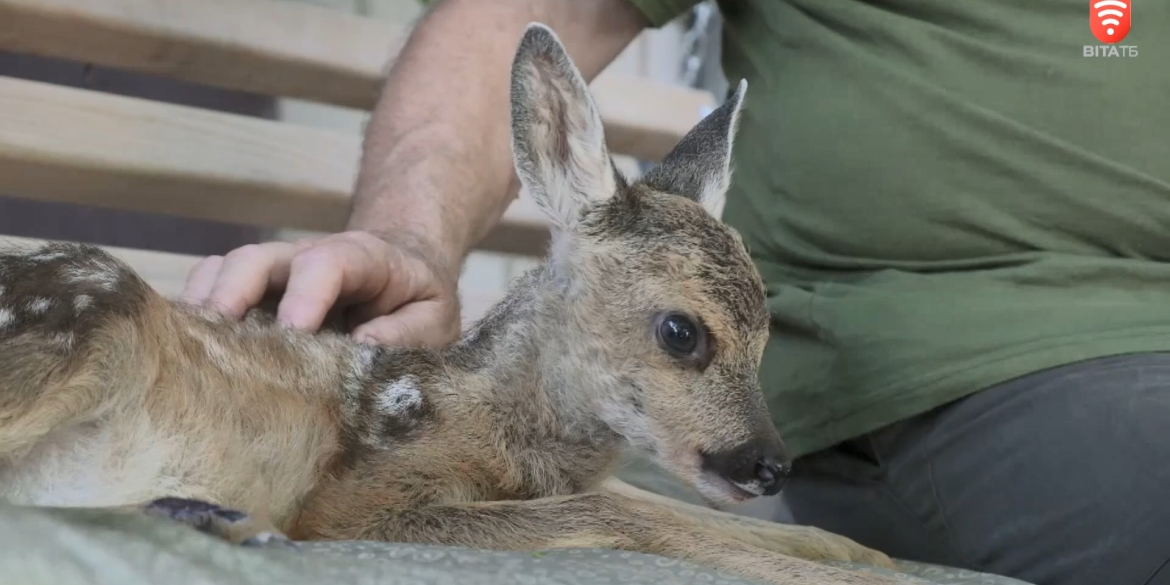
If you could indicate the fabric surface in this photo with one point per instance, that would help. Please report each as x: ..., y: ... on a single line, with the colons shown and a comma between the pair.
x: 943, y: 196
x: 85, y: 547
x: 1056, y: 478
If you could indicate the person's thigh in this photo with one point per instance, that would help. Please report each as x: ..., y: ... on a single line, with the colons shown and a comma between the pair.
x: 1057, y: 478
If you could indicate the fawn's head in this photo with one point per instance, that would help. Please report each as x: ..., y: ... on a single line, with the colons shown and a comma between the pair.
x: 664, y: 321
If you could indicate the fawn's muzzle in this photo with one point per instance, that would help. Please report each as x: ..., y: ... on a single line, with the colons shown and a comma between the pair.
x: 758, y: 467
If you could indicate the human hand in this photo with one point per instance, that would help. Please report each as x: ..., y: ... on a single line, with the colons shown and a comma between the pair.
x: 395, y: 291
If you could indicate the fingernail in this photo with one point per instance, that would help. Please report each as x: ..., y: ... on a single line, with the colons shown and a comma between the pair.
x: 296, y: 326
x: 289, y: 316
x: 287, y: 321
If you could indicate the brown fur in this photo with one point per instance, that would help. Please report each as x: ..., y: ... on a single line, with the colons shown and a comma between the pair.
x: 113, y: 396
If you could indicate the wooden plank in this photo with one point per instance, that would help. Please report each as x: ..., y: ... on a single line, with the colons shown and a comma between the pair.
x: 167, y: 273
x: 72, y: 145
x: 296, y: 50
x: 266, y: 46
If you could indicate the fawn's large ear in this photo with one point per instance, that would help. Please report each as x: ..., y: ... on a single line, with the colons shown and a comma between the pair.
x: 558, y: 143
x: 699, y: 166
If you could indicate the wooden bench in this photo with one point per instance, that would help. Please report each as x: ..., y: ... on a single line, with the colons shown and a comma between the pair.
x: 81, y: 146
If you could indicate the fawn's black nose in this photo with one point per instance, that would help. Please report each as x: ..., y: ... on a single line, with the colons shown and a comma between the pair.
x: 758, y: 467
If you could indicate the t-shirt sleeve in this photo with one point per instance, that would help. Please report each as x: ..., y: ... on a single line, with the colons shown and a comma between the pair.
x: 661, y: 12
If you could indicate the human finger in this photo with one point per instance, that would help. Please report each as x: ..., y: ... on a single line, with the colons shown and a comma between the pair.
x: 425, y: 323
x: 247, y: 273
x: 321, y: 275
x: 200, y: 279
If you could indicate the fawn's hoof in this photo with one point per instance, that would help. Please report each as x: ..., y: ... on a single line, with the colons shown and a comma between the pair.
x: 814, y: 544
x: 196, y: 513
x: 850, y: 551
x: 230, y: 525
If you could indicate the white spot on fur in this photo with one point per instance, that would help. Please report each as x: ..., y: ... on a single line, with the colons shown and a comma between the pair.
x: 6, y: 318
x: 103, y: 276
x: 1, y: 290
x: 81, y: 303
x: 46, y: 256
x: 400, y: 396
x: 65, y: 340
x: 38, y: 305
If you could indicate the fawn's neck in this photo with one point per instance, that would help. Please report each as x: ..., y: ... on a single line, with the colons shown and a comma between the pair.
x: 517, y: 359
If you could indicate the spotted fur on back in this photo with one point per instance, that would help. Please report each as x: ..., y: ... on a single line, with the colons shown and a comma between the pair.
x: 62, y: 291
x: 52, y: 301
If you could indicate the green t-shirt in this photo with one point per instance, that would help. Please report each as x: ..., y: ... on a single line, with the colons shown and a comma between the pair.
x: 944, y: 195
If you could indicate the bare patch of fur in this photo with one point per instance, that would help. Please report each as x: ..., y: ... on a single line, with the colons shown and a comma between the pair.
x: 400, y: 396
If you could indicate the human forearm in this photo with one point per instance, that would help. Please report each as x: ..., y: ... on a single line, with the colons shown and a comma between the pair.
x: 437, y: 159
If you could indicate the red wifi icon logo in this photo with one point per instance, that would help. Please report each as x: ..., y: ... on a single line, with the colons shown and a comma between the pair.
x: 1110, y: 19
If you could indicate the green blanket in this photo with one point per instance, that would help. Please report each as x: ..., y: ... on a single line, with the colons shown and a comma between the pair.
x: 87, y: 547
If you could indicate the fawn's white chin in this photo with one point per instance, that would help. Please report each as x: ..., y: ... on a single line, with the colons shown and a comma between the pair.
x: 686, y: 464
x: 721, y: 491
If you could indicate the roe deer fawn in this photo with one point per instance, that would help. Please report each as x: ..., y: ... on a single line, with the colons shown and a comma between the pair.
x: 645, y: 326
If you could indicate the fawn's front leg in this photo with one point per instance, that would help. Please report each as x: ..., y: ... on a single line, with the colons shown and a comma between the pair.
x: 601, y: 520
x: 230, y: 525
x: 804, y: 542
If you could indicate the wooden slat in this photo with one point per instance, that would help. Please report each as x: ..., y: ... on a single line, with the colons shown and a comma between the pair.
x: 79, y: 146
x: 267, y: 46
x: 296, y: 50
x: 167, y: 273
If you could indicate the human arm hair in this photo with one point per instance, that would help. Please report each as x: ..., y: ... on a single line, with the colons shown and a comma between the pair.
x: 437, y: 163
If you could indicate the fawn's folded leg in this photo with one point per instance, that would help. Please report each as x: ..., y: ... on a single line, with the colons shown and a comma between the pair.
x: 601, y: 520
x: 233, y: 526
x: 802, y: 542
x: 640, y: 478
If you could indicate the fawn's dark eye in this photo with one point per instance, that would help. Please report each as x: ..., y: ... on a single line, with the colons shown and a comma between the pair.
x: 678, y: 334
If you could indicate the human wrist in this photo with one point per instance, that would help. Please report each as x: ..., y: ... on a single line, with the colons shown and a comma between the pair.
x: 417, y: 237
x: 398, y: 200
x: 428, y: 184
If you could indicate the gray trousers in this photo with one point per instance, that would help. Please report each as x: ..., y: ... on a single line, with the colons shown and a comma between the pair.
x: 1056, y: 478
